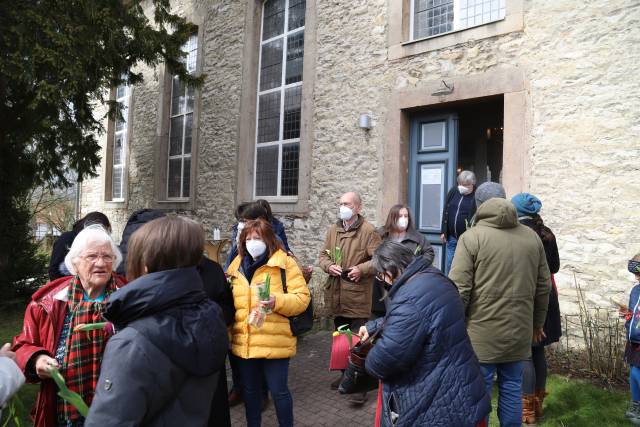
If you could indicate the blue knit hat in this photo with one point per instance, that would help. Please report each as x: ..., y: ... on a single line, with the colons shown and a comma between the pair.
x: 526, y: 204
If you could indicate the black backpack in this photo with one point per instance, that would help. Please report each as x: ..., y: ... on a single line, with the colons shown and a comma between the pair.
x: 303, y: 322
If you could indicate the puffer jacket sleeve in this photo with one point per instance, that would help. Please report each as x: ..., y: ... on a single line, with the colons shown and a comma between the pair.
x: 462, y: 268
x: 125, y: 389
x: 403, y: 339
x: 543, y: 287
x: 297, y: 298
x: 373, y: 325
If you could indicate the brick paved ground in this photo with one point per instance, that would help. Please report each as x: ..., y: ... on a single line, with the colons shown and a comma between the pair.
x: 314, y: 403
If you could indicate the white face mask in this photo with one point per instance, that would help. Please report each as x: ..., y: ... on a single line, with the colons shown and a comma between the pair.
x: 240, y: 227
x: 345, y: 213
x: 402, y: 223
x: 464, y: 190
x: 255, y: 248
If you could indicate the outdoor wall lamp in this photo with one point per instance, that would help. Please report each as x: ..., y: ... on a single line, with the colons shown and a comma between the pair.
x: 445, y: 89
x: 365, y: 121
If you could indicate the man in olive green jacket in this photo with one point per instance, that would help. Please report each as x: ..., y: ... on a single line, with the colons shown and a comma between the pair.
x: 501, y: 272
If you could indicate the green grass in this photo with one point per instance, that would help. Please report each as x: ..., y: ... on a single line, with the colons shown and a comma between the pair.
x: 575, y: 403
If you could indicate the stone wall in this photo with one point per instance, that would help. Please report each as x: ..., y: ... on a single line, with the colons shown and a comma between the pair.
x: 579, y: 59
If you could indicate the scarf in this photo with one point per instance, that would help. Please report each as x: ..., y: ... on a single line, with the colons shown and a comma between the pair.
x: 248, y: 266
x: 83, y: 350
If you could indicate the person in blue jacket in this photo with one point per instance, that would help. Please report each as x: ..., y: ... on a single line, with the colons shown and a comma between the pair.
x: 632, y: 351
x: 429, y: 372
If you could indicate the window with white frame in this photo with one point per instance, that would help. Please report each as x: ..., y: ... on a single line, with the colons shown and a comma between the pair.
x: 434, y: 17
x: 119, y: 142
x: 279, y: 98
x: 181, y: 127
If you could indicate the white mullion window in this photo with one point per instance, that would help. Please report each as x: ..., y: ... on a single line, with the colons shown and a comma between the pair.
x: 181, y: 128
x: 279, y: 99
x: 119, y: 144
x: 430, y: 18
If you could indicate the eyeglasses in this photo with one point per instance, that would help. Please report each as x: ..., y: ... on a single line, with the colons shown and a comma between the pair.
x: 93, y: 258
x: 380, y: 276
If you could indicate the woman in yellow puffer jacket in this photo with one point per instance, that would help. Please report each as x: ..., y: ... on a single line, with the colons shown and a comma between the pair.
x: 264, y: 352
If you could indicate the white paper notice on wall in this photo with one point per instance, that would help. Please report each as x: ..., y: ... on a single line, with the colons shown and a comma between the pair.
x: 431, y: 176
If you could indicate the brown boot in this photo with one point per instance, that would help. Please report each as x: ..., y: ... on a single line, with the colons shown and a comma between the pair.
x: 540, y: 395
x: 528, y: 409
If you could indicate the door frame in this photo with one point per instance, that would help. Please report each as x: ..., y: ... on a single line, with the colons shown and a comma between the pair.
x: 509, y: 82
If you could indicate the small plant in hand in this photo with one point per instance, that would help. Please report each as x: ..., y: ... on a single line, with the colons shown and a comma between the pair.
x: 335, y: 255
x: 70, y: 396
x: 259, y: 313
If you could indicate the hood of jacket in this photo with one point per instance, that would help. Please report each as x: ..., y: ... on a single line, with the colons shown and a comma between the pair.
x: 497, y: 213
x: 171, y: 309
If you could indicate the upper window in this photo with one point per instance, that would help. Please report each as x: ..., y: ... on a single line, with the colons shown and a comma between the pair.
x: 119, y: 143
x: 279, y: 98
x: 181, y: 127
x: 433, y: 17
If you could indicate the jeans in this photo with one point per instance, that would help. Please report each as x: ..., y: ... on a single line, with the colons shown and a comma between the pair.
x: 634, y: 382
x: 535, y: 371
x: 276, y: 373
x: 509, y: 391
x: 452, y: 242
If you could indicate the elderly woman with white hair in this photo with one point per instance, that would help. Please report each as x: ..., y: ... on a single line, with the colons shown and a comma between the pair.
x: 459, y: 209
x: 49, y: 338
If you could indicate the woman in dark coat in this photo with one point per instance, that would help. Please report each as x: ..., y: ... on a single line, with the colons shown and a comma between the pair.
x: 162, y: 367
x: 57, y: 268
x: 218, y: 290
x: 535, y: 370
x: 429, y: 372
x: 400, y: 228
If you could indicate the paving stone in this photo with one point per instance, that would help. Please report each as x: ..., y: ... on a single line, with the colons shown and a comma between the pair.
x: 314, y: 403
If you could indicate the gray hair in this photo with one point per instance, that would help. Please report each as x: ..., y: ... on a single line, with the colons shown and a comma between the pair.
x: 94, y: 233
x: 392, y: 256
x: 355, y: 196
x: 466, y: 178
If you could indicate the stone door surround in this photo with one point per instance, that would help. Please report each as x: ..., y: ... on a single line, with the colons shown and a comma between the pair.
x: 509, y: 82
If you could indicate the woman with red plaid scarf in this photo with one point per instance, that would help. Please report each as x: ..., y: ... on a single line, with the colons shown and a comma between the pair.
x: 49, y: 340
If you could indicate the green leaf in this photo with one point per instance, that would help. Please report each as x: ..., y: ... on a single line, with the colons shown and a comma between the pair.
x: 90, y: 326
x: 70, y: 396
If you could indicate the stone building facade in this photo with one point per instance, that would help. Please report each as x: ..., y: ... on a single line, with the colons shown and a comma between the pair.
x: 542, y: 95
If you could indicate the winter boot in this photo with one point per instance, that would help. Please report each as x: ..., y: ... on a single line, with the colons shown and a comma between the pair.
x: 529, y: 409
x: 634, y: 409
x: 540, y: 395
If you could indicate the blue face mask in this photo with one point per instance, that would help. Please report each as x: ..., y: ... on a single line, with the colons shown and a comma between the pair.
x: 634, y: 267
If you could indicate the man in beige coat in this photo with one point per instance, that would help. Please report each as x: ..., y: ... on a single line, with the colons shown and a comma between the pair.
x: 501, y: 272
x: 349, y: 287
